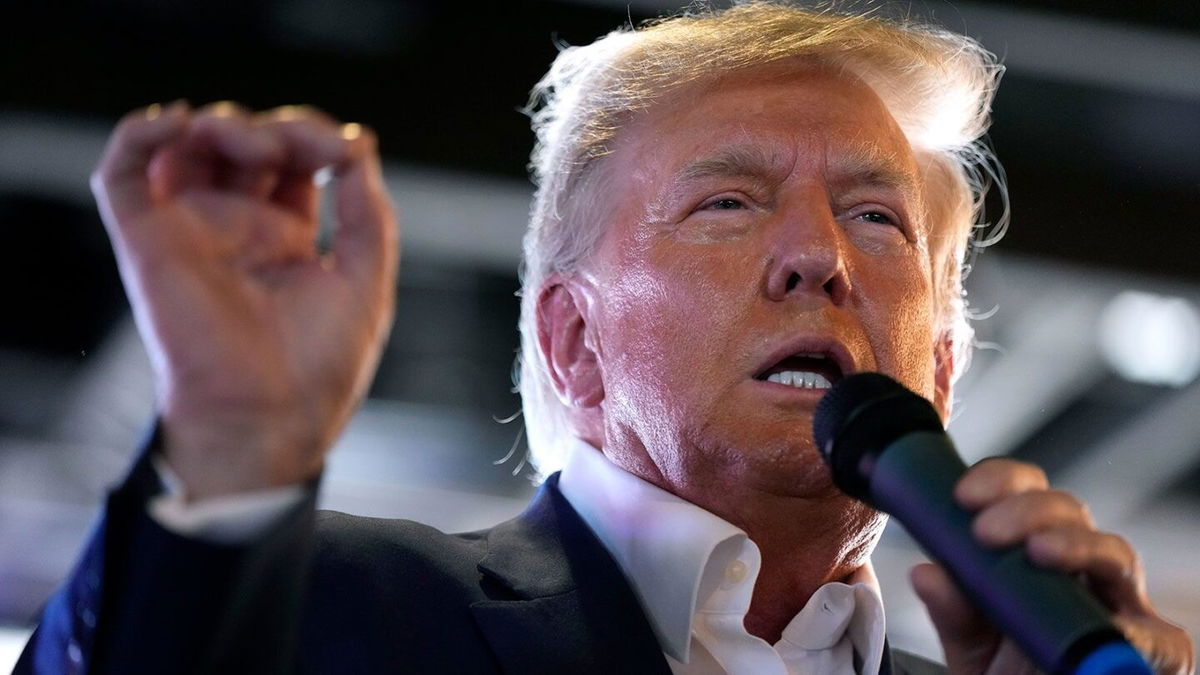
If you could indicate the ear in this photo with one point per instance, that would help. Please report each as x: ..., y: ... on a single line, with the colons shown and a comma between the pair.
x: 562, y: 327
x: 943, y: 376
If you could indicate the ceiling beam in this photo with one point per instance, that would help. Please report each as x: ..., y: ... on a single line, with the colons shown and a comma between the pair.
x: 452, y: 215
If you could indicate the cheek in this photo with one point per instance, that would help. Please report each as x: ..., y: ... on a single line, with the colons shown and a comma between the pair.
x: 640, y: 344
x: 899, y: 320
x: 668, y: 324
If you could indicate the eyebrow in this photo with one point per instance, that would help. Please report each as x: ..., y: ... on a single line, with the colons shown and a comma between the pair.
x: 735, y: 160
x: 861, y: 163
x: 867, y: 164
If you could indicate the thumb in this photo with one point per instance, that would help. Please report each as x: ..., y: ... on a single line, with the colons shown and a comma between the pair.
x: 366, y: 243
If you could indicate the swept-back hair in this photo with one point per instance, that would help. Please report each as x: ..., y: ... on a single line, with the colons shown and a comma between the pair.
x: 938, y: 85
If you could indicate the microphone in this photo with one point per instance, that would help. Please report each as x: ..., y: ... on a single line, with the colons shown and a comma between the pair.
x: 886, y: 446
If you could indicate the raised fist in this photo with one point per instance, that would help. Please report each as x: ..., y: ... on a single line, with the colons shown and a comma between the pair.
x: 262, y: 345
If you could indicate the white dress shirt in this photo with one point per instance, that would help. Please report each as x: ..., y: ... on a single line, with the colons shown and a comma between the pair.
x: 226, y: 519
x: 693, y: 572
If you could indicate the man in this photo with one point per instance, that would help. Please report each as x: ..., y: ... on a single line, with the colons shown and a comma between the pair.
x: 734, y: 210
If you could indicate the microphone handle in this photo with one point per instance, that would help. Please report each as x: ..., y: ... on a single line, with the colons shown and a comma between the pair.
x: 1062, y: 628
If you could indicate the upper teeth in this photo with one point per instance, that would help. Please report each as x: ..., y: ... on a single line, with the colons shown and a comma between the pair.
x: 801, y: 379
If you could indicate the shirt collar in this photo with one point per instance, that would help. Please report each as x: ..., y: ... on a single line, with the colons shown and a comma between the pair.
x: 665, y: 545
x: 660, y: 541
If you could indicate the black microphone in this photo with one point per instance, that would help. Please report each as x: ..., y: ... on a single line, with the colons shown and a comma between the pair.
x: 886, y: 446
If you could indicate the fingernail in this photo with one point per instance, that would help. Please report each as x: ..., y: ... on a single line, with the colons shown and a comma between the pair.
x: 223, y: 108
x: 351, y: 131
x: 285, y: 113
x: 153, y: 111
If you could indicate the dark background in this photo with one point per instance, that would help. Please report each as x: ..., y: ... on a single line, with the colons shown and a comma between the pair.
x: 1097, y: 123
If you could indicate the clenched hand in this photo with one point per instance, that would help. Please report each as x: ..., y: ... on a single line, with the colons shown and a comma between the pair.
x: 1014, y: 506
x: 262, y: 345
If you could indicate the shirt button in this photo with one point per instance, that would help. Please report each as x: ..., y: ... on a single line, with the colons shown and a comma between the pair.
x: 735, y: 572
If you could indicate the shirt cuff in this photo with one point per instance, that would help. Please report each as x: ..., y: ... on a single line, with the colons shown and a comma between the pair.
x: 230, y: 520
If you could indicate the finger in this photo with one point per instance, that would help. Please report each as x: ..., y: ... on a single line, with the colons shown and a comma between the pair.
x: 1112, y: 567
x: 996, y: 478
x: 248, y: 158
x: 312, y: 141
x: 1014, y: 519
x: 365, y: 244
x: 299, y: 193
x: 969, y: 640
x: 252, y: 235
x: 121, y: 180
x: 1167, y: 647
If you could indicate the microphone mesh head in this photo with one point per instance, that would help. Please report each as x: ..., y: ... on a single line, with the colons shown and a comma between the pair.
x: 844, y: 398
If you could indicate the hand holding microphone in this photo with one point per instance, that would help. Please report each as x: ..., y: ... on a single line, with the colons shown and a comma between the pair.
x: 886, y: 446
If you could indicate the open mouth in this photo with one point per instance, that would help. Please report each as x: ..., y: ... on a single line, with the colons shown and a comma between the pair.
x: 804, y: 371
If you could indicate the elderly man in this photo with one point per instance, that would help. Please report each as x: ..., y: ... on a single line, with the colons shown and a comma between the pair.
x: 735, y: 209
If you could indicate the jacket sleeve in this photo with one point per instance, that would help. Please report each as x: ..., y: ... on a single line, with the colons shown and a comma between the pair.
x: 142, y: 599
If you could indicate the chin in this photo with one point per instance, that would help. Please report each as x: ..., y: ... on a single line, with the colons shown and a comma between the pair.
x: 789, y: 467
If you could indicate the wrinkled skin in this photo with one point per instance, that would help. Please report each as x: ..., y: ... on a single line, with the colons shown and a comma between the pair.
x: 775, y: 207
x: 744, y: 215
x: 692, y: 280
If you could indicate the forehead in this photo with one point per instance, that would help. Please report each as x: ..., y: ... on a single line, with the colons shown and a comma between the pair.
x: 781, y: 118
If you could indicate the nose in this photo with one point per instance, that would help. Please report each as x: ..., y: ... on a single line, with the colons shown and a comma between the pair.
x: 808, y: 256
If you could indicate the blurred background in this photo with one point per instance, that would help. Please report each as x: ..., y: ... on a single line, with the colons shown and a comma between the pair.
x: 1089, y: 332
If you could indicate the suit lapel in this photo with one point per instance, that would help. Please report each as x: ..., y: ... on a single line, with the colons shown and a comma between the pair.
x: 568, y: 607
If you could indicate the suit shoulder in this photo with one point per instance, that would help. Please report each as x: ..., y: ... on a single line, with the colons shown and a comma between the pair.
x: 345, y: 539
x: 381, y: 591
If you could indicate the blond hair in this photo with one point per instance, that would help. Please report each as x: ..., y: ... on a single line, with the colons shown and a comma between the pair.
x: 938, y: 85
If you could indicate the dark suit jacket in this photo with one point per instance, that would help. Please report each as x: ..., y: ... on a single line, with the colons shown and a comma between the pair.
x: 333, y: 593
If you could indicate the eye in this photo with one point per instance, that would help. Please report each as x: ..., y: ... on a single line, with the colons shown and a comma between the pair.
x: 876, y: 228
x: 877, y: 217
x: 725, y: 204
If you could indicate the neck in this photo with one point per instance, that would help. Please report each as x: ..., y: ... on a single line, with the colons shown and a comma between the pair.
x: 830, y: 544
x: 805, y: 543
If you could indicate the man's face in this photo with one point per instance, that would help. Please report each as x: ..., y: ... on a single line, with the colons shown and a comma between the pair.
x: 768, y: 222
